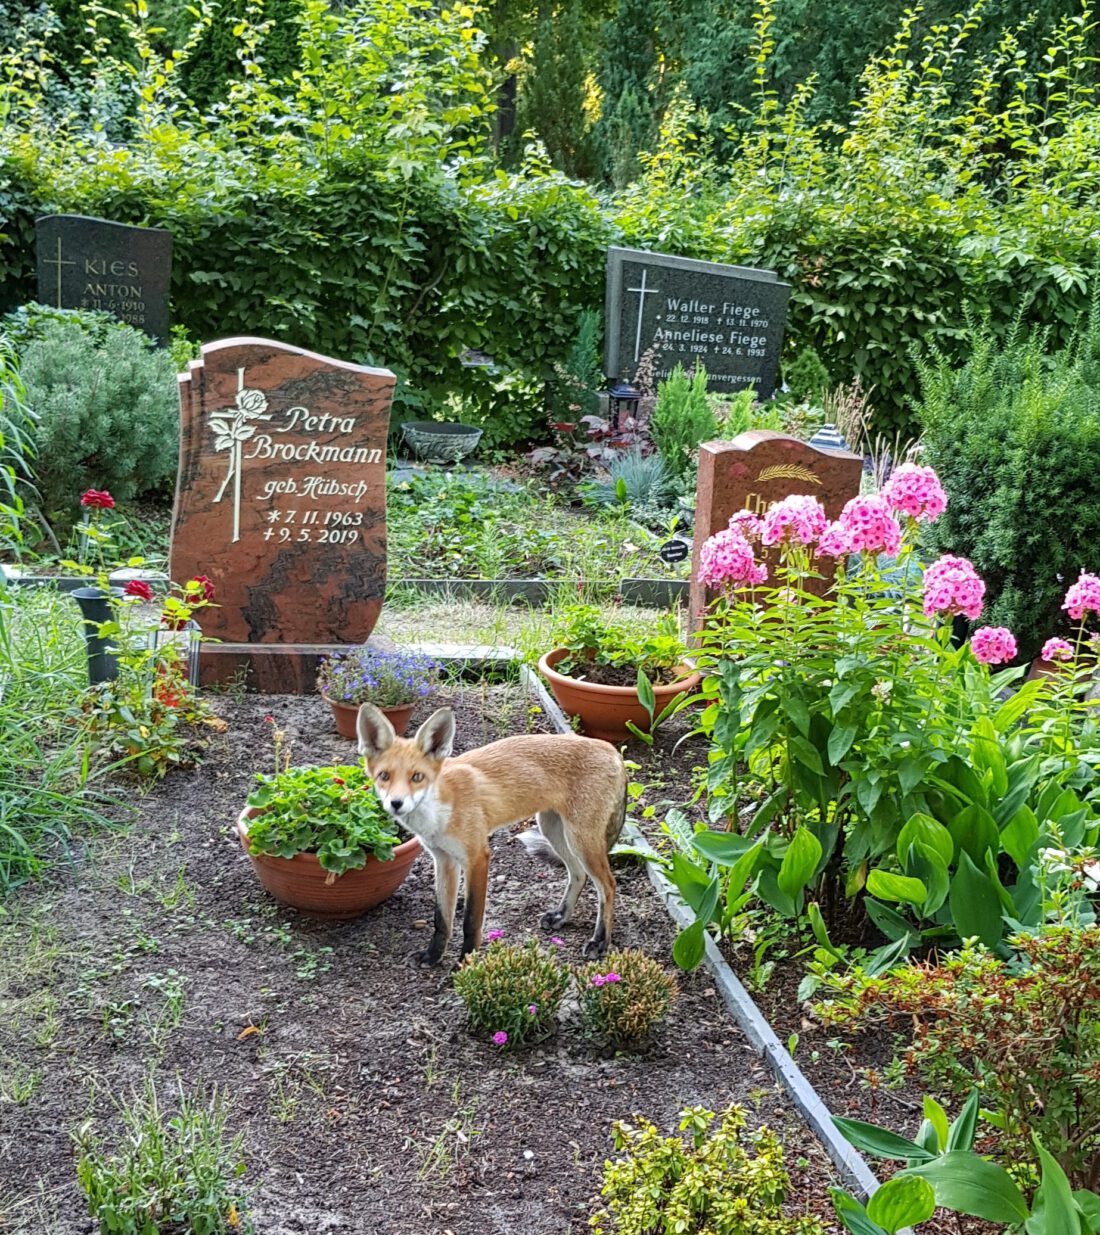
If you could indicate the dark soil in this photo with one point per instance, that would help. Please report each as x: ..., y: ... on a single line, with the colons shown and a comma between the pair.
x: 366, y: 1104
x: 613, y: 675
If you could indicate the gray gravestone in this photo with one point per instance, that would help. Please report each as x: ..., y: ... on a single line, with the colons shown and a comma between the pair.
x: 730, y: 319
x: 86, y: 263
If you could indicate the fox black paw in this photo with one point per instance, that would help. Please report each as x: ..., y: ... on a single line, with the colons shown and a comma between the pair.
x: 594, y: 949
x: 427, y: 957
x: 550, y: 920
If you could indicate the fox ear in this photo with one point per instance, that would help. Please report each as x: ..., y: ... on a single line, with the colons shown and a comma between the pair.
x: 376, y: 734
x: 436, y: 735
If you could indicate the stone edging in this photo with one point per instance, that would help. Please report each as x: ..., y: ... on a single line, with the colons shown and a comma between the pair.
x: 850, y: 1165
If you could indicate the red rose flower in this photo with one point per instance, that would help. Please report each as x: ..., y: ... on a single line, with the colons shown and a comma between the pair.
x: 339, y: 780
x: 200, y: 583
x: 99, y: 499
x: 139, y: 588
x: 563, y: 426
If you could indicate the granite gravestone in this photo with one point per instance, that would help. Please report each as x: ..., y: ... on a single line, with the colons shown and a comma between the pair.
x: 86, y: 263
x: 751, y: 472
x: 729, y: 319
x: 281, y: 503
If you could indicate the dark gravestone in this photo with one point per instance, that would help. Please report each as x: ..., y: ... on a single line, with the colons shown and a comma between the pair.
x: 86, y: 263
x: 729, y: 319
x: 753, y: 471
x: 281, y: 503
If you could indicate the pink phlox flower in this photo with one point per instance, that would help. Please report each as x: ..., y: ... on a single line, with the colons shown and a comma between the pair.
x: 598, y: 979
x: 798, y: 517
x: 993, y: 645
x: 557, y: 940
x: 749, y: 525
x: 1083, y: 596
x: 1056, y: 649
x: 870, y: 525
x: 494, y: 935
x: 834, y: 541
x: 726, y: 561
x: 915, y: 491
x: 951, y: 586
x: 532, y: 1008
x: 500, y: 1037
x: 612, y: 977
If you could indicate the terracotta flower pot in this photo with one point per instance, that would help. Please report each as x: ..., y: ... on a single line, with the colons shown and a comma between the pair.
x: 604, y: 710
x: 346, y: 715
x: 300, y: 881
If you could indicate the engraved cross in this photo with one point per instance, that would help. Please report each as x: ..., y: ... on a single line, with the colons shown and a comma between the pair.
x: 643, y: 292
x: 58, y: 262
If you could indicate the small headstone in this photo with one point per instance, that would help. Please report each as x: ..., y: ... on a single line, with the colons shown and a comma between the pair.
x: 729, y: 319
x: 754, y: 470
x: 86, y: 263
x: 281, y: 503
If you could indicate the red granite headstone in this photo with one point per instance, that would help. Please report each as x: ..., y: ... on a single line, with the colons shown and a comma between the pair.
x: 281, y: 502
x: 754, y: 470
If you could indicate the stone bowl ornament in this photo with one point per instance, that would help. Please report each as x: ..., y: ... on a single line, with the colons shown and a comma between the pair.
x: 437, y: 441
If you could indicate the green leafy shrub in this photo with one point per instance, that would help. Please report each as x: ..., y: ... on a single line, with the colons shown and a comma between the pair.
x: 625, y: 996
x: 107, y: 414
x: 17, y: 428
x: 682, y: 419
x: 331, y: 812
x: 594, y: 643
x: 722, y: 1181
x: 1025, y: 1033
x: 1013, y: 434
x: 171, y: 1173
x: 27, y: 323
x: 512, y: 991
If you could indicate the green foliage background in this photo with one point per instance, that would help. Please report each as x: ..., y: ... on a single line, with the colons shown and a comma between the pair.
x: 358, y: 207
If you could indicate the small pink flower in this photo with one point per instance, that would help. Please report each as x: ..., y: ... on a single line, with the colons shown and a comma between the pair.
x: 500, y: 1037
x: 797, y: 517
x: 748, y: 524
x: 870, y: 525
x: 494, y: 935
x: 612, y: 977
x: 1082, y: 597
x: 532, y: 1008
x: 1056, y: 649
x: 557, y: 940
x: 951, y: 586
x: 834, y: 541
x: 916, y: 492
x: 726, y: 561
x: 993, y: 645
x: 598, y: 979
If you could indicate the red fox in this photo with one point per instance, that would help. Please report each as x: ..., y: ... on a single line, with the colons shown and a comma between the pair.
x: 576, y: 787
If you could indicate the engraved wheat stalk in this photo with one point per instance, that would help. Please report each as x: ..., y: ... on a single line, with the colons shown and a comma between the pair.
x: 787, y: 471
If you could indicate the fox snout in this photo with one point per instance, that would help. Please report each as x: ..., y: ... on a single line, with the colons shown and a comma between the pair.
x: 400, y: 802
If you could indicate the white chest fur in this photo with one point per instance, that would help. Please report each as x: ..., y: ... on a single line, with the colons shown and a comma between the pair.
x: 429, y: 821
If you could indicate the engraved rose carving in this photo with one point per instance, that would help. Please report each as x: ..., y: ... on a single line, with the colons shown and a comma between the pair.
x: 231, y: 426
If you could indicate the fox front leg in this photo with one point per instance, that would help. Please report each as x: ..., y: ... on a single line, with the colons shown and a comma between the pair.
x: 446, y: 895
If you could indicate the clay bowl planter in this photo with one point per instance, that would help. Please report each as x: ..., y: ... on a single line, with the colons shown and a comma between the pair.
x: 604, y: 710
x: 301, y: 881
x: 346, y: 714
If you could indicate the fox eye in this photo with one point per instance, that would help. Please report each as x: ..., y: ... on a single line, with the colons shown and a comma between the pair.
x: 417, y: 777
x: 383, y: 776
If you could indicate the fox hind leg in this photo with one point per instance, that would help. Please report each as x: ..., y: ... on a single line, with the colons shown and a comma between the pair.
x: 552, y: 827
x: 592, y: 855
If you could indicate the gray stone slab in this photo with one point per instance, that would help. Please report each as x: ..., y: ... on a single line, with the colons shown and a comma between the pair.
x: 88, y: 263
x: 730, y: 319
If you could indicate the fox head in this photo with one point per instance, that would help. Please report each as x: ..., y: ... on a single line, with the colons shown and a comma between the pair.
x: 404, y: 769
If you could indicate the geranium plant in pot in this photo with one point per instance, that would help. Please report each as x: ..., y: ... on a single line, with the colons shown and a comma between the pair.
x: 320, y: 842
x: 613, y: 681
x: 395, y: 682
